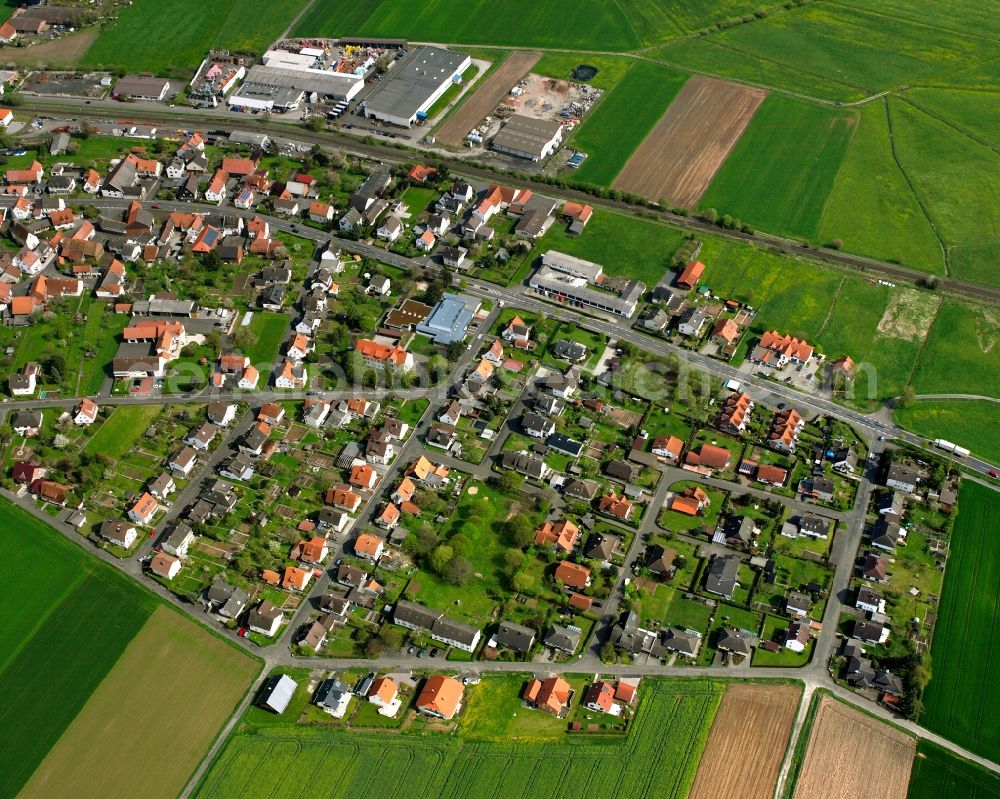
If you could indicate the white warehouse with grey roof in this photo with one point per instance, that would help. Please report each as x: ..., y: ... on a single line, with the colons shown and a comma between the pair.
x: 414, y: 84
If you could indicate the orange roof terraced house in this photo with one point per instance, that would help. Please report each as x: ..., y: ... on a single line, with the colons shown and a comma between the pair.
x: 551, y: 695
x: 295, y: 579
x: 441, y: 697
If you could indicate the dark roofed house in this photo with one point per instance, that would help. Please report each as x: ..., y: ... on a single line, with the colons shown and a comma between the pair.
x: 736, y: 642
x: 903, y: 477
x: 514, y: 636
x: 565, y: 639
x: 683, y: 642
x: 723, y: 575
x: 660, y: 561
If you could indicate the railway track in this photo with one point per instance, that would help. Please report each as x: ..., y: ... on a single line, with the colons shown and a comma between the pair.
x: 869, y: 267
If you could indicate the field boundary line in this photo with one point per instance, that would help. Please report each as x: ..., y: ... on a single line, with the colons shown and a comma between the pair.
x: 912, y: 21
x: 836, y: 298
x: 945, y: 121
x: 840, y: 168
x: 308, y: 6
x: 916, y: 195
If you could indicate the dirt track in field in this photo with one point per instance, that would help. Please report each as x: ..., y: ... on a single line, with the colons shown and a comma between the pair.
x: 747, y: 743
x: 486, y: 96
x: 851, y: 755
x: 150, y: 722
x: 681, y: 154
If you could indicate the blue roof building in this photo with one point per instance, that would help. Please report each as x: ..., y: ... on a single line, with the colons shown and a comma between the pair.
x: 449, y: 319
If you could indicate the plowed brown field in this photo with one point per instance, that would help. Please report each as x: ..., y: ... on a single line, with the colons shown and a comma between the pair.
x: 486, y: 97
x: 681, y: 154
x: 851, y: 755
x: 747, y: 743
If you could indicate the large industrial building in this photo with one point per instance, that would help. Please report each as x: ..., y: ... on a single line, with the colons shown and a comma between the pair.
x: 565, y: 278
x: 529, y: 138
x: 283, y: 79
x: 414, y: 84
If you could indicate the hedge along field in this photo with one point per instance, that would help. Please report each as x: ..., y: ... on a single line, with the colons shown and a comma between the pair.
x: 173, y: 37
x: 955, y: 176
x: 658, y: 758
x: 782, y: 170
x: 940, y: 774
x: 622, y: 118
x: 872, y: 208
x: 961, y: 421
x: 962, y: 694
x: 68, y: 655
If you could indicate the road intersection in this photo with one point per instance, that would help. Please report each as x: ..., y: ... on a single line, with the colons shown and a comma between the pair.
x: 815, y: 675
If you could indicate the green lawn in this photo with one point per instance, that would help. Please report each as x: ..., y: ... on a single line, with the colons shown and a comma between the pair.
x: 658, y: 758
x: 478, y: 517
x: 872, y: 209
x: 120, y: 430
x: 56, y: 648
x: 938, y: 773
x: 964, y: 422
x: 494, y: 712
x: 623, y: 245
x: 269, y: 334
x: 136, y: 40
x: 780, y: 173
x: 961, y: 693
x: 622, y: 118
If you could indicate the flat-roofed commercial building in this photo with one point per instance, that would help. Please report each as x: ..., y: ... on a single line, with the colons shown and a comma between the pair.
x: 563, y: 287
x: 529, y: 138
x: 414, y: 84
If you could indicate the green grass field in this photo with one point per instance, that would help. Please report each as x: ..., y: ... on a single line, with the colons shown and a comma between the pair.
x: 623, y: 245
x: 862, y: 50
x: 961, y: 354
x: 781, y: 171
x: 974, y: 112
x: 119, y: 431
x: 871, y: 186
x: 269, y: 334
x: 953, y: 175
x: 622, y: 118
x: 610, y: 68
x: 962, y: 692
x: 86, y: 615
x: 173, y: 37
x: 940, y: 774
x: 960, y: 421
x: 657, y: 759
x: 587, y: 25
